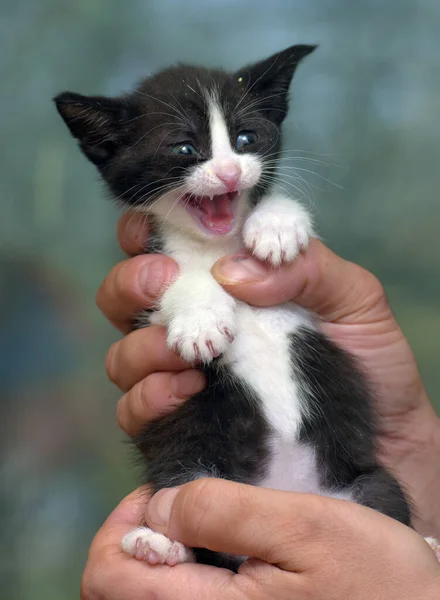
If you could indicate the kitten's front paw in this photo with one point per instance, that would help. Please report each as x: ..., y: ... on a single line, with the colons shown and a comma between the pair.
x: 155, y: 548
x: 277, y: 237
x: 200, y: 334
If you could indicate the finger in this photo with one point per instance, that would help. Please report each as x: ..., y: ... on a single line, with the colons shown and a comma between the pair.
x: 139, y: 354
x: 319, y: 280
x: 156, y: 395
x: 134, y: 285
x: 129, y: 513
x: 240, y: 519
x: 133, y: 232
x: 113, y: 575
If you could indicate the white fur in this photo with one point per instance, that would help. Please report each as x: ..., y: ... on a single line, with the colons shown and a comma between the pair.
x: 277, y: 229
x: 145, y: 544
x: 200, y: 316
x: 221, y: 144
x: 260, y: 357
x: 203, y: 181
x: 198, y: 313
x: 293, y: 468
x: 195, y: 305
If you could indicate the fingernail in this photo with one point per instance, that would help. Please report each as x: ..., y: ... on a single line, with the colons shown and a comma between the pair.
x: 160, y: 506
x: 239, y: 268
x: 151, y: 277
x: 187, y: 383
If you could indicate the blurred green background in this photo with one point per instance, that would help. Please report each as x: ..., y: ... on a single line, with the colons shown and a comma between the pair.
x: 367, y: 113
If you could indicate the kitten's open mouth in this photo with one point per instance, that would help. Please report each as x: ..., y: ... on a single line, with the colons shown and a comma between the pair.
x: 215, y: 214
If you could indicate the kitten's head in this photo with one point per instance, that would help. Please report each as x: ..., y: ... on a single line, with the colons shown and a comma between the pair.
x: 192, y: 146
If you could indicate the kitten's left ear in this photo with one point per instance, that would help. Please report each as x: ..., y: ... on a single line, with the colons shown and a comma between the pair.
x: 96, y: 122
x: 270, y: 79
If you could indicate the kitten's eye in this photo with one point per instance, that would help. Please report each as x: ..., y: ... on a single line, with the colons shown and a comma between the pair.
x: 245, y: 138
x: 184, y: 148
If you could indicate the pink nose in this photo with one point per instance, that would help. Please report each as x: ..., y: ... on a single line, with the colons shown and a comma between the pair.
x: 229, y: 173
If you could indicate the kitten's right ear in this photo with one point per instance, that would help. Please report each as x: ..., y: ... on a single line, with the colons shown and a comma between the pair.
x: 96, y: 122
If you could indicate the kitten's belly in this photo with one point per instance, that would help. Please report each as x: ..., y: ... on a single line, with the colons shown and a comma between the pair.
x: 261, y: 356
x: 293, y: 468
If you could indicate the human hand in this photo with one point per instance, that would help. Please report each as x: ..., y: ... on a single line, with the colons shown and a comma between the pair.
x: 154, y: 378
x: 302, y: 546
x: 354, y: 313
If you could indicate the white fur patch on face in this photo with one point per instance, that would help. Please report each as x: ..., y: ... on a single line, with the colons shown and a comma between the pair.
x: 227, y: 170
x: 220, y: 142
x: 226, y: 173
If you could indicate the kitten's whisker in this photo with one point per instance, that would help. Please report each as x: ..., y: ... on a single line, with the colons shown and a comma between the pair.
x: 298, y: 158
x: 179, y: 198
x: 177, y: 111
x: 152, y: 129
x: 157, y: 195
x: 258, y: 101
x: 286, y: 184
x: 249, y: 89
x: 150, y: 184
x: 149, y: 114
x: 163, y: 138
x: 195, y: 92
x: 296, y: 169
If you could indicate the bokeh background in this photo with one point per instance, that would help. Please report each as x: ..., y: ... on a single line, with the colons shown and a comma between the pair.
x: 365, y: 131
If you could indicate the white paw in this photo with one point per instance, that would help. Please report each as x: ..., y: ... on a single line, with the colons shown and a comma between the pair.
x: 145, y: 544
x: 200, y: 333
x: 435, y: 545
x: 277, y: 236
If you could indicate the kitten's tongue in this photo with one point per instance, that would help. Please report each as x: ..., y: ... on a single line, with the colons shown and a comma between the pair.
x: 217, y: 213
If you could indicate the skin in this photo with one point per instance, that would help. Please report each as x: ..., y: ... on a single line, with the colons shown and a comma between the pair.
x: 300, y: 549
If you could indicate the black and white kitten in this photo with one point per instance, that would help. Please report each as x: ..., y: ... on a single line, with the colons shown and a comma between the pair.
x: 284, y: 407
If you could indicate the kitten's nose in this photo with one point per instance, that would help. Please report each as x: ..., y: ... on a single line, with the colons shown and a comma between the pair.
x: 228, y: 172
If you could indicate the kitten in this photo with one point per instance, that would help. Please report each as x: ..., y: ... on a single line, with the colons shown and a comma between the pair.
x: 284, y: 407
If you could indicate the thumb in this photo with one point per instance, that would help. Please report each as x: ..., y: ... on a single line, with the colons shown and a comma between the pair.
x: 319, y: 280
x: 239, y: 519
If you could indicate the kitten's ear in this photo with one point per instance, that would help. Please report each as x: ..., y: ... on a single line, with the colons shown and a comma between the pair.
x: 96, y: 122
x: 270, y: 78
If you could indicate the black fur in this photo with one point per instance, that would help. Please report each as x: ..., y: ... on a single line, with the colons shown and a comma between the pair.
x: 222, y: 431
x: 129, y: 138
x: 342, y: 424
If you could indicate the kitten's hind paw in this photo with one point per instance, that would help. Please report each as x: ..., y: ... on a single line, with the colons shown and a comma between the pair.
x: 155, y: 548
x: 435, y: 545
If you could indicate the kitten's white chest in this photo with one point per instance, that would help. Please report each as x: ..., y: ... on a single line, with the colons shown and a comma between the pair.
x: 260, y: 356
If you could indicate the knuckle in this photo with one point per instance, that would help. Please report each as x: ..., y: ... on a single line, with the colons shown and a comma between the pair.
x: 101, y: 294
x: 123, y: 278
x: 372, y: 283
x: 111, y: 362
x: 113, y: 284
x: 133, y: 408
x: 102, y: 576
x: 140, y: 398
x: 91, y: 584
x: 122, y: 413
x: 196, y: 502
